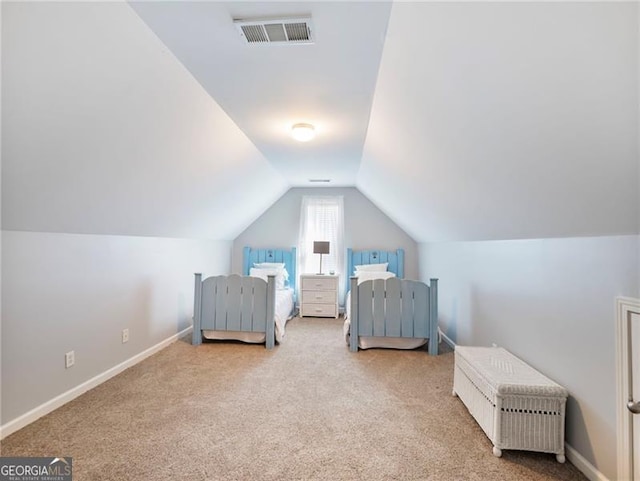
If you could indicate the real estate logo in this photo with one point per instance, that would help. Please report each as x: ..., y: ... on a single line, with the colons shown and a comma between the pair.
x: 36, y: 469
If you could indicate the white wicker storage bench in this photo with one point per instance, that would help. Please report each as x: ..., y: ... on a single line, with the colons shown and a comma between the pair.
x: 516, y: 406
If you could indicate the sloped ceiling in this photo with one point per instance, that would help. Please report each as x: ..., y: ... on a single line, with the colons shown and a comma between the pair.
x: 104, y: 132
x: 506, y: 120
x: 265, y: 89
x: 461, y: 121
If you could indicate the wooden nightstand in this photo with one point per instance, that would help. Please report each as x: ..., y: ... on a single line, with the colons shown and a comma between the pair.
x: 319, y: 295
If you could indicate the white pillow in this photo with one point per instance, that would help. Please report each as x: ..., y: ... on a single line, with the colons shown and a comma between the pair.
x: 369, y: 276
x: 265, y: 273
x: 273, y: 265
x: 372, y: 267
x: 268, y: 265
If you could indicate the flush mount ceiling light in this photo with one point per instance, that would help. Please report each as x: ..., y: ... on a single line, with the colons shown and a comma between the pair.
x: 303, y: 132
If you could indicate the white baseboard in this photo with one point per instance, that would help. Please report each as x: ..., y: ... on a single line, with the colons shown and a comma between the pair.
x: 446, y: 339
x: 71, y: 394
x: 584, y: 466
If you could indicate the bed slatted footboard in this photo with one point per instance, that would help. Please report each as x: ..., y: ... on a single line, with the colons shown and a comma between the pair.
x: 234, y: 303
x: 394, y: 308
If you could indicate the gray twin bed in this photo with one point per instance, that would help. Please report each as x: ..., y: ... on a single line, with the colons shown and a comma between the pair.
x: 382, y: 310
x: 246, y: 308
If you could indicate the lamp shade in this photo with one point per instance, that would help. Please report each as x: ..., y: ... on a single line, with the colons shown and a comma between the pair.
x: 320, y: 247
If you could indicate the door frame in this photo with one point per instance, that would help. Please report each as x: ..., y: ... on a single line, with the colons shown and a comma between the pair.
x: 624, y: 307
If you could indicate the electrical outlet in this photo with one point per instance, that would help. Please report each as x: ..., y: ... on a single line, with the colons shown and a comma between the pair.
x: 69, y: 359
x: 125, y: 335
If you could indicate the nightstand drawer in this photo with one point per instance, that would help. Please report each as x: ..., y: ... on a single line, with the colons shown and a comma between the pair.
x: 319, y: 310
x: 319, y: 297
x: 319, y: 283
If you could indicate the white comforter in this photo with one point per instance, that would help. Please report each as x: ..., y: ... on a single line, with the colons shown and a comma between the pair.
x: 283, y: 312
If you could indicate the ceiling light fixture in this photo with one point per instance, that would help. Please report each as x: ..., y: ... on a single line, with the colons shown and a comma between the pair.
x: 303, y: 132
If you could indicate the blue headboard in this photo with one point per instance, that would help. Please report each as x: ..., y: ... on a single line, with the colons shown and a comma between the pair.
x: 394, y: 258
x: 251, y: 256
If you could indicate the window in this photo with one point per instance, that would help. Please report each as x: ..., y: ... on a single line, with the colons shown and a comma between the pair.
x: 322, y: 219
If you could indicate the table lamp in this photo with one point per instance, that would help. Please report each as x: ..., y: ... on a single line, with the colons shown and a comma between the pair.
x: 321, y: 247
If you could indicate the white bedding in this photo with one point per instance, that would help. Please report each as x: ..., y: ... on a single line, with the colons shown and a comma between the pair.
x: 283, y: 312
x: 367, y: 342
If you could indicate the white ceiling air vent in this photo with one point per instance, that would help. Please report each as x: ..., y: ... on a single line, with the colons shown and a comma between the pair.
x: 277, y: 31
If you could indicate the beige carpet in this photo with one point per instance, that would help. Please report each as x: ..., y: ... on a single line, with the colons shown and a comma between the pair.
x: 308, y: 410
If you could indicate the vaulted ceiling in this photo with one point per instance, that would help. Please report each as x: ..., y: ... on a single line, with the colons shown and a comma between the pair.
x: 266, y: 88
x: 461, y: 121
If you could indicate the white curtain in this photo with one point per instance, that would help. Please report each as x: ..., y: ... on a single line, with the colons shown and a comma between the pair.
x: 322, y: 219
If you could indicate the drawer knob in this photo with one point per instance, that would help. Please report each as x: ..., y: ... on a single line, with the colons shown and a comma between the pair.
x: 633, y: 407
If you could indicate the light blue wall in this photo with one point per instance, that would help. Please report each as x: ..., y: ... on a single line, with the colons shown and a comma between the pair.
x: 550, y: 302
x: 102, y: 181
x: 366, y: 227
x: 64, y: 292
